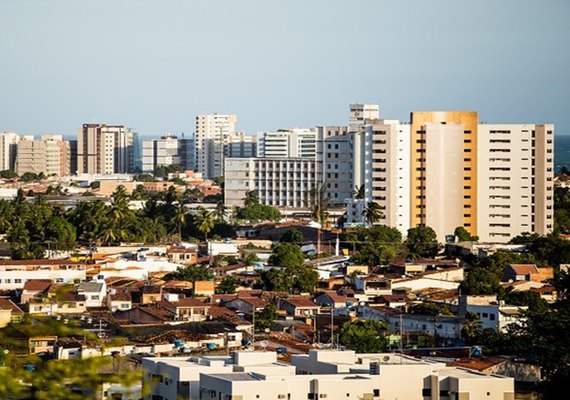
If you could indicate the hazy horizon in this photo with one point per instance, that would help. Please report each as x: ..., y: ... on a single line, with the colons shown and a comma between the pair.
x: 154, y: 66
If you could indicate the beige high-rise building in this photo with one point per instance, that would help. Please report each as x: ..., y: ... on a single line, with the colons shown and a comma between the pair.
x: 515, y: 190
x: 443, y: 171
x: 213, y: 131
x: 49, y: 155
x: 105, y: 149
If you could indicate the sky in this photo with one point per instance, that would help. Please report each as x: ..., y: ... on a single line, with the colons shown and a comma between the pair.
x: 154, y: 65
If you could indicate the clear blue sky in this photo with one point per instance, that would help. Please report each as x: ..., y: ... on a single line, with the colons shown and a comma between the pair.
x: 154, y: 65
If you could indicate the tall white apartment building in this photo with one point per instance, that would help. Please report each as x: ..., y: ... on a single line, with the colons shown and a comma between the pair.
x: 294, y: 142
x: 212, y: 132
x: 105, y: 149
x: 279, y: 182
x: 515, y: 182
x: 359, y: 113
x: 335, y: 162
x: 8, y: 148
x: 50, y: 154
x: 168, y: 150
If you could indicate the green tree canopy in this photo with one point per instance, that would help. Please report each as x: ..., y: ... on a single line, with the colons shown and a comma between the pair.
x: 293, y: 235
x: 422, y: 242
x: 287, y: 255
x: 364, y: 336
x: 258, y: 212
x: 464, y: 236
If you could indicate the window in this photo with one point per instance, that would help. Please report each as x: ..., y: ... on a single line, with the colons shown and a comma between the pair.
x: 17, y: 281
x: 376, y: 392
x: 426, y: 392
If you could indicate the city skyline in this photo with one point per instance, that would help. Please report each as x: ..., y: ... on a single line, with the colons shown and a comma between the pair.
x: 154, y: 68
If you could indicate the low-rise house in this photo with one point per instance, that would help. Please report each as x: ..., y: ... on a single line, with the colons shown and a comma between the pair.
x: 247, y: 304
x: 59, y: 301
x: 420, y: 265
x: 299, y: 306
x: 374, y: 285
x: 188, y: 309
x: 204, y: 288
x: 330, y: 298
x: 94, y: 292
x: 492, y: 313
x: 527, y: 272
x: 35, y: 288
x: 182, y: 255
x: 393, y: 300
x: 150, y: 294
x: 15, y: 273
x: 119, y: 300
x: 10, y: 313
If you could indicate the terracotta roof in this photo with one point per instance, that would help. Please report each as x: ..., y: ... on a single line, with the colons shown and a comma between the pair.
x: 334, y: 296
x: 180, y: 250
x: 227, y: 314
x: 121, y: 295
x: 38, y: 285
x: 150, y: 289
x: 301, y: 302
x: 186, y: 302
x: 7, y: 304
x: 249, y: 293
x: 478, y: 364
x: 395, y: 298
x: 524, y: 269
x: 221, y: 298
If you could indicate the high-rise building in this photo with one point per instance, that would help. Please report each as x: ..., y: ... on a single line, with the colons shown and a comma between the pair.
x: 213, y: 131
x: 48, y: 155
x: 168, y: 150
x: 105, y: 149
x: 515, y: 188
x: 443, y: 171
x: 279, y: 182
x: 292, y: 142
x: 335, y: 162
x: 359, y: 113
x: 8, y: 149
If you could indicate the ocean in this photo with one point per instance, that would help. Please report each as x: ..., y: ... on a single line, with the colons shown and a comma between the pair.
x: 561, y: 152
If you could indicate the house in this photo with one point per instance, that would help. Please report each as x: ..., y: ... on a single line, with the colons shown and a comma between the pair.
x: 10, y: 313
x: 246, y: 304
x: 203, y: 288
x: 182, y: 255
x: 150, y: 294
x: 330, y: 298
x: 94, y: 292
x: 492, y: 313
x: 527, y: 272
x: 393, y: 300
x: 187, y: 309
x: 34, y: 288
x: 420, y: 266
x: 299, y: 305
x: 119, y: 300
x: 60, y: 300
x: 374, y: 285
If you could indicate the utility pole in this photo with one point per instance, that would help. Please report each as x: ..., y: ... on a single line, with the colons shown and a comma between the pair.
x: 332, y: 324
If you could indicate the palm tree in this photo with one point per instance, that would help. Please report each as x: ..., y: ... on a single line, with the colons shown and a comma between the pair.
x: 204, y: 220
x: 221, y: 211
x: 372, y: 213
x: 179, y: 218
x: 319, y: 203
x: 359, y: 192
x: 251, y: 198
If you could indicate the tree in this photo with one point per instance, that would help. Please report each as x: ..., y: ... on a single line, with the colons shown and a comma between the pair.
x: 364, y: 336
x: 251, y: 198
x: 179, y: 219
x: 359, y: 192
x: 373, y: 213
x: 287, y: 255
x: 29, y: 177
x: 464, y: 236
x: 227, y: 285
x: 193, y: 273
x: 293, y: 235
x: 319, y: 203
x: 276, y: 280
x: 221, y: 211
x: 204, y: 221
x: 264, y: 318
x: 258, y: 212
x: 8, y: 174
x: 61, y: 233
x: 144, y: 178
x: 422, y: 242
x: 303, y: 278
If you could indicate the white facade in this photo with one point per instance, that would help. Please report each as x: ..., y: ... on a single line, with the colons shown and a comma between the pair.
x: 515, y: 188
x: 361, y: 112
x: 14, y: 274
x: 212, y: 132
x: 168, y: 150
x: 294, y: 142
x: 279, y: 182
x: 8, y: 148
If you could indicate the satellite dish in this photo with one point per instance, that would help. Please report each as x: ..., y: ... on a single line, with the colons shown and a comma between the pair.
x: 386, y: 358
x: 264, y: 343
x: 267, y: 330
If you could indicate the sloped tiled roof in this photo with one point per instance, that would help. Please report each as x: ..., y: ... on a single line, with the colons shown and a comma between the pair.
x: 37, y: 285
x: 524, y: 269
x: 301, y: 302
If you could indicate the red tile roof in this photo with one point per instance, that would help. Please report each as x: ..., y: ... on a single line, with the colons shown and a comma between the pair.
x: 301, y: 302
x: 38, y: 285
x: 524, y: 269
